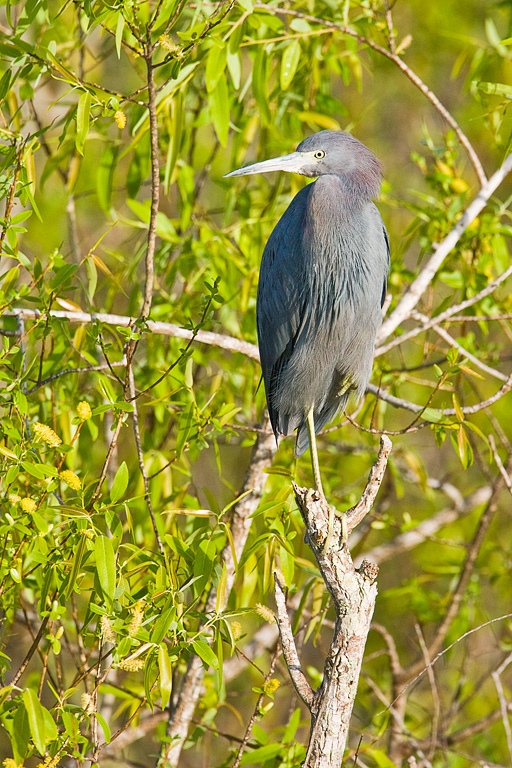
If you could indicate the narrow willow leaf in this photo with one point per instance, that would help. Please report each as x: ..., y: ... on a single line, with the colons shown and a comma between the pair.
x: 165, y: 666
x: 218, y: 100
x: 120, y: 483
x: 119, y: 34
x: 77, y: 562
x: 287, y: 565
x: 215, y: 66
x: 259, y: 85
x: 104, y: 725
x: 35, y: 719
x: 205, y: 653
x: 83, y: 115
x: 105, y: 176
x: 221, y: 589
x: 105, y: 565
x: 289, y: 63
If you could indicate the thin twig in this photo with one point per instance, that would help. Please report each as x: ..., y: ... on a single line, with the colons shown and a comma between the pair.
x: 256, y: 711
x: 140, y: 455
x: 355, y: 514
x: 435, y: 692
x: 505, y: 475
x: 290, y: 654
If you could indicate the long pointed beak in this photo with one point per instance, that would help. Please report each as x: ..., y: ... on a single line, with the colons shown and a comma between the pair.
x: 291, y: 163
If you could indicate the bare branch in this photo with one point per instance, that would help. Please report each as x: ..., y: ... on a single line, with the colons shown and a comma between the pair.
x: 505, y: 475
x: 355, y: 514
x: 165, y: 329
x: 140, y: 455
x: 290, y: 654
x: 255, y: 713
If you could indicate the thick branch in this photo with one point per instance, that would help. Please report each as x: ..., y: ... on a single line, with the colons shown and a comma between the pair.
x: 356, y: 513
x: 354, y: 593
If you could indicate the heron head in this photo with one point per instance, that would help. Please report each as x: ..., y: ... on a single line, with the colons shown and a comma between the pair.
x: 326, y: 152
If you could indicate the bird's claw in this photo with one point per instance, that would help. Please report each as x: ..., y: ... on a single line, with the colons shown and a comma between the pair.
x: 333, y: 512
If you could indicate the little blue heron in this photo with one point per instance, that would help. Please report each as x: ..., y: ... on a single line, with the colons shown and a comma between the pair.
x: 321, y: 287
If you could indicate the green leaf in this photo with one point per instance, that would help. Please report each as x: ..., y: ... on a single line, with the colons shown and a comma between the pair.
x: 205, y: 653
x: 165, y: 666
x: 261, y: 754
x: 83, y: 114
x: 10, y: 279
x: 163, y: 622
x: 215, y: 66
x: 289, y: 63
x: 76, y: 565
x: 120, y: 483
x: 119, y: 33
x: 104, y: 725
x: 185, y: 425
x: 259, y: 85
x: 105, y: 565
x: 36, y: 719
x: 430, y: 414
x: 218, y: 100
x: 287, y: 565
x: 20, y: 734
x: 105, y: 177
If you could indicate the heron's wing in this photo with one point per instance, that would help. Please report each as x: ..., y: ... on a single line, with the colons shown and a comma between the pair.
x: 388, y: 248
x: 280, y: 310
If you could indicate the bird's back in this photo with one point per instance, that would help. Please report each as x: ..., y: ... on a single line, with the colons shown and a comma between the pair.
x: 322, y: 280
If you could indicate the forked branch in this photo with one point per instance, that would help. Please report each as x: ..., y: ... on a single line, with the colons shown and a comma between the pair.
x: 354, y: 592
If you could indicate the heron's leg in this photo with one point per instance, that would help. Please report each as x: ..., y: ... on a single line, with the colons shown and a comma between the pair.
x: 317, y: 478
x: 314, y: 455
x: 318, y: 485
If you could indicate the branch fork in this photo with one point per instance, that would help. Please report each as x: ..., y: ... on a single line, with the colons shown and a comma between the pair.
x: 354, y: 592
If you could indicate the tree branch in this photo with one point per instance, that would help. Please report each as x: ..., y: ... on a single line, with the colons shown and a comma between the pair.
x: 290, y: 654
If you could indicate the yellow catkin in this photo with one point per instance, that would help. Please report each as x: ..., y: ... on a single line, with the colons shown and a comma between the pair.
x: 87, y: 702
x: 84, y: 409
x: 131, y: 665
x: 136, y: 621
x: 271, y: 686
x: 168, y: 45
x: 71, y: 479
x: 10, y: 763
x: 46, y: 434
x: 236, y: 630
x: 28, y: 505
x: 120, y: 119
x: 106, y: 629
x: 14, y: 498
x: 265, y: 613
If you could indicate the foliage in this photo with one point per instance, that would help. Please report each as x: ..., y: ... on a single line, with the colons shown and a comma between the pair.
x: 123, y: 446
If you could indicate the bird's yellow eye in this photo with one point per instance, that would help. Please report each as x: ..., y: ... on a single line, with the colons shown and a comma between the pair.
x: 319, y: 154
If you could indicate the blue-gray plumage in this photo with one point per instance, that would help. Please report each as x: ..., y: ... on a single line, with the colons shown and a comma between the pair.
x: 322, y: 283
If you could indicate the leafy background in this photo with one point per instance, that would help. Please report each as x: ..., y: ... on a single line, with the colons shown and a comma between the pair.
x: 118, y: 509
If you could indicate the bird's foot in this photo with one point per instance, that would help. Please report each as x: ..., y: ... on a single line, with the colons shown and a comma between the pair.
x: 333, y: 512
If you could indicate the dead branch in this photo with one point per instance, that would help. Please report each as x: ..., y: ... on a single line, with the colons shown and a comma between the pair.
x: 354, y: 593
